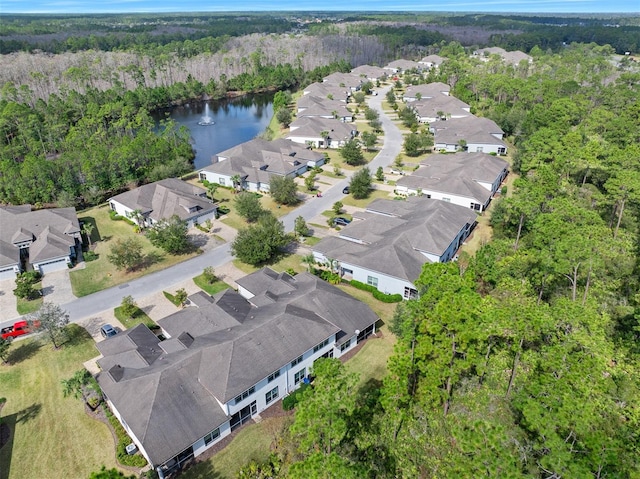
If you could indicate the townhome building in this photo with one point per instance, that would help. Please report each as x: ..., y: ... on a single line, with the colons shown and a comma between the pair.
x: 225, y: 360
x: 321, y: 132
x: 471, y: 133
x: 42, y: 240
x: 148, y: 204
x: 386, y: 245
x: 466, y: 179
x: 256, y: 161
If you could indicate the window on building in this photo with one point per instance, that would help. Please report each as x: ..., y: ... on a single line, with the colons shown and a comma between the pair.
x: 502, y: 150
x: 344, y: 346
x: 296, y: 361
x: 410, y: 293
x: 321, y: 345
x: 244, y: 395
x: 203, y: 176
x: 479, y: 149
x: 372, y: 281
x: 299, y: 376
x: 273, y: 375
x: 212, y: 436
x: 221, y: 181
x: 271, y: 395
x: 448, y: 200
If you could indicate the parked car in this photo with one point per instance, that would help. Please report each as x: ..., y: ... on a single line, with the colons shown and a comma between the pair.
x: 340, y: 221
x: 18, y: 329
x: 345, y: 190
x: 107, y: 331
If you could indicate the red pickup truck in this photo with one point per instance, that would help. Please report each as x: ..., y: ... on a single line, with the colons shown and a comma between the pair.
x: 18, y: 329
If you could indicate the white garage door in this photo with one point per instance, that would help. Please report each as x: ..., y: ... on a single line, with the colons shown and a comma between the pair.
x: 50, y: 266
x: 7, y: 274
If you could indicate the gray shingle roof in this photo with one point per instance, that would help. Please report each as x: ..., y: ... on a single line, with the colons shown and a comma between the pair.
x: 428, y: 90
x: 311, y: 127
x: 458, y: 174
x: 472, y: 129
x: 165, y: 198
x: 167, y: 394
x: 53, y: 231
x: 256, y: 160
x: 324, y: 90
x: 369, y: 71
x: 393, y: 233
x: 429, y: 107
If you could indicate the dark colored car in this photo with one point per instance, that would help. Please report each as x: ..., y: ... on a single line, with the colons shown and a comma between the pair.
x: 107, y: 331
x: 345, y: 190
x: 340, y: 221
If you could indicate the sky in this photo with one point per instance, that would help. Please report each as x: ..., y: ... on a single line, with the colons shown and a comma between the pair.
x: 163, y: 6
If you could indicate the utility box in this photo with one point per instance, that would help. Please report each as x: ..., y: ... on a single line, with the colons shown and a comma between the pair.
x: 131, y: 449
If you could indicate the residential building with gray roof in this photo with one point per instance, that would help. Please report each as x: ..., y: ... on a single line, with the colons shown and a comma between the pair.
x: 471, y: 133
x: 148, y: 204
x: 386, y: 245
x: 41, y: 240
x: 256, y: 161
x: 224, y: 361
x: 465, y: 179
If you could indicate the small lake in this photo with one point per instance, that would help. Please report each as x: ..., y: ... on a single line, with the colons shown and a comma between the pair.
x: 234, y: 121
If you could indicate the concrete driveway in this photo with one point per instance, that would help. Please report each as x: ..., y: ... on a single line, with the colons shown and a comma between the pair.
x: 56, y: 287
x: 8, y: 300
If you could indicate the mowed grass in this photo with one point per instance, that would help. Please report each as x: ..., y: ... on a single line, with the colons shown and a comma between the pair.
x: 279, y: 264
x: 349, y: 200
x: 210, y: 288
x: 252, y: 443
x: 51, y: 436
x: 27, y: 306
x: 100, y: 273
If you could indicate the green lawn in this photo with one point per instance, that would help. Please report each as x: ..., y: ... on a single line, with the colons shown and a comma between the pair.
x: 253, y: 442
x: 51, y: 436
x: 279, y: 264
x: 351, y: 201
x: 27, y: 306
x: 130, y: 321
x: 210, y: 288
x: 100, y: 273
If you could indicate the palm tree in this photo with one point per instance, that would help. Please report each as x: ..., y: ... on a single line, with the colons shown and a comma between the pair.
x: 87, y: 229
x: 237, y: 181
x: 211, y: 190
x: 325, y: 136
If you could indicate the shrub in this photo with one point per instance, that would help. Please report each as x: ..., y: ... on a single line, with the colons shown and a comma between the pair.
x: 289, y: 402
x: 380, y: 296
x: 223, y: 209
x: 291, y: 271
x: 124, y: 440
x: 90, y: 256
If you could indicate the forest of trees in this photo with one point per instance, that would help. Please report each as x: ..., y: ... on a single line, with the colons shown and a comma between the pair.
x: 79, y: 148
x: 523, y: 360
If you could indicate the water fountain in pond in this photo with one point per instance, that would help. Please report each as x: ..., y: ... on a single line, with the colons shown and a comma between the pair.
x: 206, y: 120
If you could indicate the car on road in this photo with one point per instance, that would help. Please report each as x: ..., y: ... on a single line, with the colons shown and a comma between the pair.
x: 108, y: 331
x: 340, y: 221
x: 345, y: 190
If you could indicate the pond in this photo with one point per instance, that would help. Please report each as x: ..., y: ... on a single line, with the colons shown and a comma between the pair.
x: 218, y: 125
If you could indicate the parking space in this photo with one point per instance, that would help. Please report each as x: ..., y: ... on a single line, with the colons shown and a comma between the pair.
x: 94, y: 323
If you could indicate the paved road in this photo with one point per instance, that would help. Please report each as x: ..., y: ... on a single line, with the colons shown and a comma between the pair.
x: 93, y: 304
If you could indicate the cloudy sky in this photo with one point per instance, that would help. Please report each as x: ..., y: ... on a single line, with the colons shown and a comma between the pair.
x: 122, y: 6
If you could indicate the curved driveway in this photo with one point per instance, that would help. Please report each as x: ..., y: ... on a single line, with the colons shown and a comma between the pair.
x: 93, y: 304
